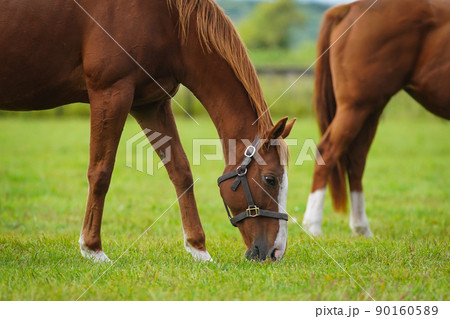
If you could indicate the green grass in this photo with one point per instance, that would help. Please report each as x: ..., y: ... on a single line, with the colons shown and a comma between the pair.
x: 43, y: 189
x: 301, y: 57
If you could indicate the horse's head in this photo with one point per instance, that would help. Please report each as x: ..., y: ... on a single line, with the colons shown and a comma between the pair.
x: 255, y: 192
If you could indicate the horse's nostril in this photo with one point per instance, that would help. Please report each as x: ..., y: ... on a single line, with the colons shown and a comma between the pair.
x: 260, y: 252
x: 250, y: 253
x: 253, y: 253
x: 272, y: 255
x: 263, y: 255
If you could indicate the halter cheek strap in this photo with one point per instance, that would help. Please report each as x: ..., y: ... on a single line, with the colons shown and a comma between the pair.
x: 240, y: 175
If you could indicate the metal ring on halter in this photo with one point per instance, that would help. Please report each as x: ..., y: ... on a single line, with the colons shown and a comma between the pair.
x: 240, y: 172
x: 253, y: 151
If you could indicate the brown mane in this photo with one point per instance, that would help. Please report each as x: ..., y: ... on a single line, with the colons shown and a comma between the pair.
x: 216, y: 32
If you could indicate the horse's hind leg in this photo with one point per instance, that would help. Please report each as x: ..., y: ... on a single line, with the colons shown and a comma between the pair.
x: 109, y: 109
x: 342, y: 131
x: 356, y: 161
x: 159, y: 118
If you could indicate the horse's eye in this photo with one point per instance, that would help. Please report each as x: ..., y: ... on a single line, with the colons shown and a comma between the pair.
x: 270, y: 180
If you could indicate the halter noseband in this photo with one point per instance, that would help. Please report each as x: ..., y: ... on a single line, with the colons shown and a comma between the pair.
x: 241, y: 177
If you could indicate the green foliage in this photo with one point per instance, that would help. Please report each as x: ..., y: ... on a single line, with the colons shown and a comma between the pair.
x: 312, y: 12
x: 43, y: 186
x: 270, y: 24
x: 298, y: 58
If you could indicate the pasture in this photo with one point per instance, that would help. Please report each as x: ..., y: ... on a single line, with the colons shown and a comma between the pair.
x: 43, y: 186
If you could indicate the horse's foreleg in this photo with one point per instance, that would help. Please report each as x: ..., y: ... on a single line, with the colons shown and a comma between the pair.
x: 109, y: 109
x: 343, y: 129
x: 159, y: 118
x: 357, y: 155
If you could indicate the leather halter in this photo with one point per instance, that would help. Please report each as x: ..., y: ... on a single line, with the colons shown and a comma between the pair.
x: 241, y: 178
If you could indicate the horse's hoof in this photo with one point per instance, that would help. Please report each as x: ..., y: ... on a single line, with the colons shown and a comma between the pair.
x: 362, y: 231
x: 313, y: 229
x: 95, y: 256
x: 202, y: 256
x: 199, y: 255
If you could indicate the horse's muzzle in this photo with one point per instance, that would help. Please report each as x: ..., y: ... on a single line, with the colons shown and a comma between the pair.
x: 260, y: 251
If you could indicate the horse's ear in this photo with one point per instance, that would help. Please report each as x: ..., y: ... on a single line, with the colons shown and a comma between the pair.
x: 278, y: 129
x: 288, y: 128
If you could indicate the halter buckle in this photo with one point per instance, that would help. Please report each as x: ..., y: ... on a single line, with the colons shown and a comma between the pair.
x: 250, y: 149
x: 241, y: 171
x: 253, y: 211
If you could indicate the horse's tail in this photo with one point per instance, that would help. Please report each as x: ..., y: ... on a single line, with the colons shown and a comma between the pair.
x: 326, y: 103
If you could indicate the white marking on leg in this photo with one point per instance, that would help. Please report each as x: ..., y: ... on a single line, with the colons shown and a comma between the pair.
x: 280, y: 241
x: 199, y: 255
x: 312, y: 220
x: 358, y: 217
x: 96, y: 256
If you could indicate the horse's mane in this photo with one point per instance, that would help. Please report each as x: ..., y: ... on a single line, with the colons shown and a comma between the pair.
x: 217, y: 33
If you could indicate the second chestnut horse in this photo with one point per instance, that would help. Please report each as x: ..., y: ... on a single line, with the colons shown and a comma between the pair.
x: 394, y: 45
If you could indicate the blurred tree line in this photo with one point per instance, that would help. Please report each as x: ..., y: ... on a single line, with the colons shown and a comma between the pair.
x: 298, y: 21
x: 270, y: 25
x: 278, y: 34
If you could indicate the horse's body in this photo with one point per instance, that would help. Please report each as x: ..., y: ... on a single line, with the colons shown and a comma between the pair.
x: 52, y: 52
x: 127, y: 57
x: 402, y: 44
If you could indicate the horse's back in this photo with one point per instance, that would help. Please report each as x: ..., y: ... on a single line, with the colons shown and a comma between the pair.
x: 54, y: 50
x: 40, y: 47
x: 378, y: 47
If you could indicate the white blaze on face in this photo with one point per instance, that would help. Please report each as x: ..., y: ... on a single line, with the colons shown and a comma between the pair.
x: 280, y: 241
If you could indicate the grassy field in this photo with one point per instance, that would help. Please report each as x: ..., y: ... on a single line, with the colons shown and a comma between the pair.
x: 43, y: 189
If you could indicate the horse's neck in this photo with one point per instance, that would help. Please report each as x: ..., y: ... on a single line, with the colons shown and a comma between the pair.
x: 214, y: 83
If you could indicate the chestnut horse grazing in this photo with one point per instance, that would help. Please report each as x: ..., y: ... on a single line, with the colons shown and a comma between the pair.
x: 129, y: 57
x: 402, y: 44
